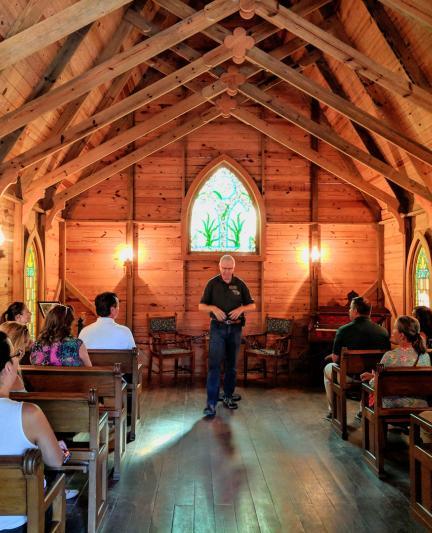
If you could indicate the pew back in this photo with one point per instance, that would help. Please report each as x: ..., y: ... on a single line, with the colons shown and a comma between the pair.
x: 401, y: 381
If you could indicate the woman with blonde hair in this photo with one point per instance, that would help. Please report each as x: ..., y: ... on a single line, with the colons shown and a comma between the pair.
x: 55, y: 345
x: 20, y: 337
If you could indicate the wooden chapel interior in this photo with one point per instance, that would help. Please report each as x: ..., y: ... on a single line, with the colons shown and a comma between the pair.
x: 113, y: 113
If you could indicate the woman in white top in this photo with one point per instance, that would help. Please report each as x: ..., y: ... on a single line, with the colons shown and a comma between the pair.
x: 23, y: 425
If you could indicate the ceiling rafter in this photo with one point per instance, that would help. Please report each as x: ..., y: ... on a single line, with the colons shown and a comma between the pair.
x: 345, y: 107
x: 136, y: 156
x: 419, y: 10
x: 48, y: 78
x: 122, y: 62
x: 349, y: 56
x: 278, y: 135
x: 331, y: 137
x: 365, y: 137
x: 53, y: 28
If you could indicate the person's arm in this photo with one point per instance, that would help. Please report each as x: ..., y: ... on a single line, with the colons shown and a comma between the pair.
x: 84, y: 356
x: 37, y: 430
x: 337, y: 348
x: 218, y: 313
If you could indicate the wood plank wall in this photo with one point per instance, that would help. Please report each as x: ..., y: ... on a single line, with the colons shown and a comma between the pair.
x: 394, y: 261
x: 165, y: 283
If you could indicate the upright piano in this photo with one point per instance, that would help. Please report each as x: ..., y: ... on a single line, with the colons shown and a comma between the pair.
x: 324, y: 323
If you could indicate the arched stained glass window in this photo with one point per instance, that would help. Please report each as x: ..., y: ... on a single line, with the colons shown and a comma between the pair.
x: 31, y: 286
x: 224, y: 217
x: 422, y: 279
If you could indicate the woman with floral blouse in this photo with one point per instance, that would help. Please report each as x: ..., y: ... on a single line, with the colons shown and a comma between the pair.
x: 411, y: 351
x: 55, y: 345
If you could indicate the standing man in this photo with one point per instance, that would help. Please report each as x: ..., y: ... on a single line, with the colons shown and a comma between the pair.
x: 226, y: 298
x: 105, y: 333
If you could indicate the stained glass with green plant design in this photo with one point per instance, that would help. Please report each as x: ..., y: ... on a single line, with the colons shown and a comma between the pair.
x: 31, y: 287
x: 421, y: 279
x: 224, y: 218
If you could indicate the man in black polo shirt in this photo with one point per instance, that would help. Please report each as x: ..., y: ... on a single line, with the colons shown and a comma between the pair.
x: 359, y: 334
x: 226, y: 298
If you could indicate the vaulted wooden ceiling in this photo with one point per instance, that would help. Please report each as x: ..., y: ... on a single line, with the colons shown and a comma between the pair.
x: 74, y: 73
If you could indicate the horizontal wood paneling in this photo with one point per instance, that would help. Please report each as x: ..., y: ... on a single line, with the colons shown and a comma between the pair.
x: 349, y: 261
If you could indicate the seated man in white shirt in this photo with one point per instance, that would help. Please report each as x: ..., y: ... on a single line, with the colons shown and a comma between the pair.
x: 105, y: 333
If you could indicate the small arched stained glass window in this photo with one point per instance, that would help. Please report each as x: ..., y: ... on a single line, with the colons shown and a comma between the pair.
x: 224, y: 217
x: 31, y: 287
x: 422, y: 279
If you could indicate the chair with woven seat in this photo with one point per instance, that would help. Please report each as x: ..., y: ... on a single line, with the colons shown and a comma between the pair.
x: 271, y: 347
x: 167, y: 343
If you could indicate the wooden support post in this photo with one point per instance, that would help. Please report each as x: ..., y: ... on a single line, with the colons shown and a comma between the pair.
x: 380, y: 264
x: 18, y: 255
x: 314, y: 230
x: 130, y: 240
x: 62, y: 259
x: 263, y: 154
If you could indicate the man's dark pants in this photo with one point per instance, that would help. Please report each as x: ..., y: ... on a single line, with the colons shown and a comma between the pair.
x: 224, y: 346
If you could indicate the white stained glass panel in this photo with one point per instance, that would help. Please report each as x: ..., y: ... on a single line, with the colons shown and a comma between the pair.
x: 224, y: 218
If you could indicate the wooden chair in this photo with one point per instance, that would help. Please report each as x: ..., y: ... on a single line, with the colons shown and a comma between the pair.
x: 273, y: 346
x: 132, y: 370
x: 421, y: 471
x: 106, y: 380
x: 22, y: 492
x: 79, y: 413
x: 345, y: 378
x: 390, y: 381
x: 167, y: 343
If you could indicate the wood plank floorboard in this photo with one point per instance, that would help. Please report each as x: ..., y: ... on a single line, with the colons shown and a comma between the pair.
x: 274, y: 465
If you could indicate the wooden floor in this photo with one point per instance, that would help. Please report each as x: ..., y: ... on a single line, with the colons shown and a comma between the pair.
x: 273, y: 465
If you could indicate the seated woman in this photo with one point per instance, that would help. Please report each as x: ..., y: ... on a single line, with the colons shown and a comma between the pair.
x: 55, y: 346
x: 23, y: 426
x: 16, y: 312
x: 411, y: 351
x: 20, y: 337
x: 424, y: 315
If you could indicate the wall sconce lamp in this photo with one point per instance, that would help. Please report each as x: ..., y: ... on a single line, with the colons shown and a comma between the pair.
x: 315, y: 254
x: 126, y: 256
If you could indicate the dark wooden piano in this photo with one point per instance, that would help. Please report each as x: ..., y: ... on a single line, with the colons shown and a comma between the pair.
x: 324, y: 323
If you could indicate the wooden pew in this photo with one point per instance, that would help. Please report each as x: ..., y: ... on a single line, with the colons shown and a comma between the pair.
x: 79, y: 413
x: 22, y: 491
x: 390, y: 381
x: 421, y: 471
x: 106, y: 380
x: 132, y: 370
x: 352, y: 363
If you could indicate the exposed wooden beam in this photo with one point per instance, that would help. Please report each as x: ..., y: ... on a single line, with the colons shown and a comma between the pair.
x: 395, y: 41
x: 47, y: 80
x: 76, y: 293
x: 130, y: 159
x: 366, y: 138
x: 349, y: 56
x: 96, y: 76
x: 280, y: 136
x: 123, y: 139
x: 419, y: 10
x: 29, y: 16
x: 53, y: 28
x: 10, y: 169
x: 288, y: 74
x: 121, y: 35
x: 329, y: 136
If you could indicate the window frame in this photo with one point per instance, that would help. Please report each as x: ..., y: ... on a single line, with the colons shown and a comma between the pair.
x: 34, y: 240
x: 418, y: 242
x: 256, y: 197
